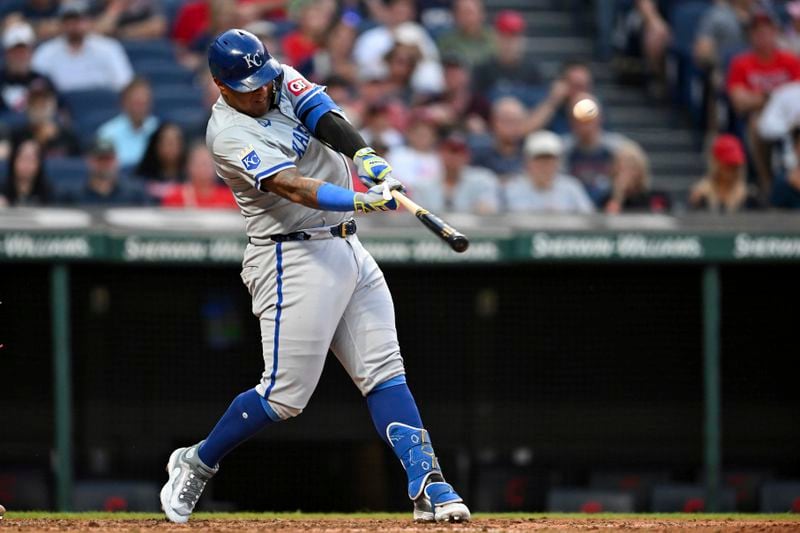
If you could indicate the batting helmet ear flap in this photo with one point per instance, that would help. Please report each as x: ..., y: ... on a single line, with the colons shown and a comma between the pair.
x: 277, y: 89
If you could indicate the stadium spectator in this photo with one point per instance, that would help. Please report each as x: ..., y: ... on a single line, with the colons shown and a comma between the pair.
x: 313, y: 18
x: 41, y: 14
x: 372, y: 46
x: 103, y: 186
x: 80, y: 59
x: 724, y: 188
x: 26, y: 183
x: 378, y: 127
x: 509, y: 70
x: 45, y: 123
x: 267, y: 32
x: 410, y: 75
x: 786, y: 191
x: 460, y: 187
x: 202, y: 188
x: 752, y: 77
x: 542, y: 187
x: 470, y: 37
x: 460, y: 106
x: 132, y: 19
x: 132, y: 128
x: 779, y: 117
x: 336, y: 57
x: 641, y: 38
x: 16, y: 75
x: 220, y: 16
x: 631, y: 185
x: 722, y: 29
x: 502, y: 154
x: 195, y: 16
x: 343, y: 92
x: 553, y: 112
x: 417, y: 163
x: 790, y: 39
x: 590, y: 154
x: 164, y: 160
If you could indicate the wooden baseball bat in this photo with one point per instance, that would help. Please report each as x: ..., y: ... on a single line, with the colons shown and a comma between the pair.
x: 457, y: 240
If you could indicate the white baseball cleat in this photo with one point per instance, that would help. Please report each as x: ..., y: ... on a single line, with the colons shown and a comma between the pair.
x: 440, y: 503
x: 188, y: 476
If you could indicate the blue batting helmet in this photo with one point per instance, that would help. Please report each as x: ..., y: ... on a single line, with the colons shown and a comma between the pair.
x: 239, y: 59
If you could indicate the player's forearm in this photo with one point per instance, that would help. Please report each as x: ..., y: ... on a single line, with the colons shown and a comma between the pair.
x: 295, y: 188
x: 310, y: 192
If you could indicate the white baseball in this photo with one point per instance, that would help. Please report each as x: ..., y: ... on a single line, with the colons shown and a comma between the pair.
x: 586, y: 110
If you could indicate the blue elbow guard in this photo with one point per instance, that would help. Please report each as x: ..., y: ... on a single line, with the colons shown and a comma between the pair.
x: 311, y: 109
x: 334, y: 198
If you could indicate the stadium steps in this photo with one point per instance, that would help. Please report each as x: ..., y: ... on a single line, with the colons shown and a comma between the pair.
x: 555, y: 35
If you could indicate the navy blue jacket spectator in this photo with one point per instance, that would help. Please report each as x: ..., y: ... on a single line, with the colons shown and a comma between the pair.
x: 103, y: 186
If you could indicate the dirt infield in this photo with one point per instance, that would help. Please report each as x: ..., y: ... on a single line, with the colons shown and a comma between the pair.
x: 403, y: 525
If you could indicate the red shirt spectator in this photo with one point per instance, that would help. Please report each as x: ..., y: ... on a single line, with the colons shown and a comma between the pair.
x: 203, y: 188
x: 194, y: 17
x: 763, y: 75
x: 187, y: 195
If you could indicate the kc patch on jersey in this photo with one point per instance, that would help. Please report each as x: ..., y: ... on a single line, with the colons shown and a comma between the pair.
x: 298, y: 86
x: 250, y: 158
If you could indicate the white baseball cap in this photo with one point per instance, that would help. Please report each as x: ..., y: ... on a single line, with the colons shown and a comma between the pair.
x: 17, y: 34
x: 543, y: 143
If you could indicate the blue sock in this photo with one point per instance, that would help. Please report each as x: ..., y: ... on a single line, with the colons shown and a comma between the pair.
x: 246, y: 416
x: 391, y: 401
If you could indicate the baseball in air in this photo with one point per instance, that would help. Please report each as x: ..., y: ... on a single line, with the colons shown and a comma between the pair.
x: 586, y: 110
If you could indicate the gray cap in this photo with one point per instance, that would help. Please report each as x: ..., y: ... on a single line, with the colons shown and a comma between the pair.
x: 74, y: 8
x: 543, y: 143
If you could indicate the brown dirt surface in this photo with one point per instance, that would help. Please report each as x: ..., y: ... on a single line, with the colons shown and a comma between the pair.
x: 386, y: 525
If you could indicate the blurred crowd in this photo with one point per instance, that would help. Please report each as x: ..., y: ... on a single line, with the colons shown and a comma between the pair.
x: 104, y: 102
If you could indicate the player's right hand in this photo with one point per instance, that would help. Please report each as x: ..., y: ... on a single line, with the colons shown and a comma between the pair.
x: 371, y: 168
x: 378, y: 197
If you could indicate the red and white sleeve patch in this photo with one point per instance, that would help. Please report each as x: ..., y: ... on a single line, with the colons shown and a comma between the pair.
x: 298, y: 86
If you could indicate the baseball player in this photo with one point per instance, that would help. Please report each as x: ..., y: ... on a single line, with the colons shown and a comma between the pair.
x: 278, y: 142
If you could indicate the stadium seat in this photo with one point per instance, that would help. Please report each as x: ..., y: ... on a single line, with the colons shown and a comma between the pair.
x: 160, y: 71
x: 636, y: 483
x: 141, y: 49
x: 191, y: 119
x: 574, y: 500
x: 780, y: 497
x: 66, y: 173
x: 90, y: 109
x: 674, y: 498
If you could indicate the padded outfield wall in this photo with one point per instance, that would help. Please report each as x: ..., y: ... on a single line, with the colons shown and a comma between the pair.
x: 556, y: 348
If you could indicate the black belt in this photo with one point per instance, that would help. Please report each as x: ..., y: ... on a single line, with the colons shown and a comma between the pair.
x: 340, y: 230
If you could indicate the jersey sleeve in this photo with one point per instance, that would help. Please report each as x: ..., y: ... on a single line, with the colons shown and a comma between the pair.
x: 309, y: 100
x: 249, y: 158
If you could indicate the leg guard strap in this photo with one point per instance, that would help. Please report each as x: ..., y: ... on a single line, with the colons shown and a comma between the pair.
x: 441, y: 493
x: 414, y: 449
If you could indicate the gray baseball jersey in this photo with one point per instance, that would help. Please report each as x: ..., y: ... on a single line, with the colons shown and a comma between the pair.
x: 312, y: 295
x: 248, y: 150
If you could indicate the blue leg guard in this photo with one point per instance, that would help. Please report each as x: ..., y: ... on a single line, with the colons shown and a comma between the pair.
x: 413, y: 447
x: 441, y: 493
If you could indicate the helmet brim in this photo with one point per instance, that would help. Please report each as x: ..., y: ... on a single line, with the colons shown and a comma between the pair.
x: 268, y: 72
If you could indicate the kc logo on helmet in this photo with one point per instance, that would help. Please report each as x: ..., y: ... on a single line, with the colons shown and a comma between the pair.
x: 253, y: 60
x: 298, y: 86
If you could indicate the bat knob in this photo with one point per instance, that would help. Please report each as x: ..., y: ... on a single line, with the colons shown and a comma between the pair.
x: 459, y: 243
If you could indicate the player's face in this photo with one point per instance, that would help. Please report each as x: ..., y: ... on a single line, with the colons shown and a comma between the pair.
x: 254, y: 103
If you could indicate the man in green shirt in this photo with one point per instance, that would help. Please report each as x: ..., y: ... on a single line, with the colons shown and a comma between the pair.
x: 470, y: 38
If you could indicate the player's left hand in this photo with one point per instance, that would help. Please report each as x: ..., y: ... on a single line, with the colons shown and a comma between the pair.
x: 371, y: 168
x: 378, y: 197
